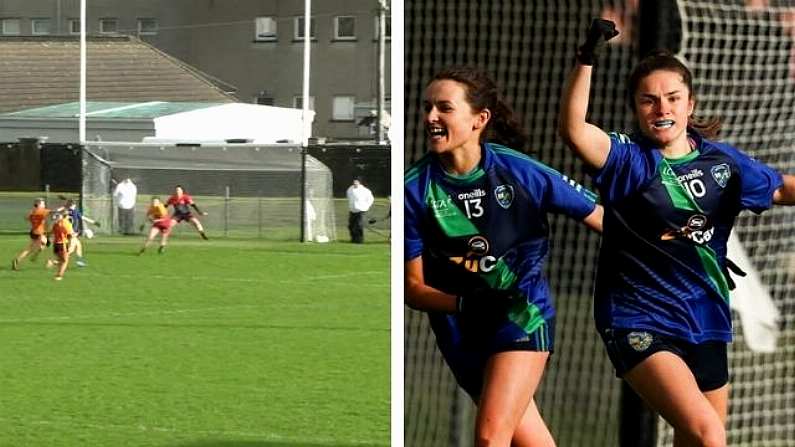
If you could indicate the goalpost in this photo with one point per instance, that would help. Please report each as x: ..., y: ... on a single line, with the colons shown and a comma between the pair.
x: 248, y: 190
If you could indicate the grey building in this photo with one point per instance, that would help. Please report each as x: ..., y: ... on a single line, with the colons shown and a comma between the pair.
x: 255, y: 45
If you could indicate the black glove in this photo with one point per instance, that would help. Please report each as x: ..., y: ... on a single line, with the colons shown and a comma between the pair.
x: 97, y: 224
x: 484, y: 307
x: 599, y: 33
x: 371, y: 221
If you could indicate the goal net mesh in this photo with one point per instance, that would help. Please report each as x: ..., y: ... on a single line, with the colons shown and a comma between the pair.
x: 741, y: 55
x: 247, y: 190
x: 743, y: 67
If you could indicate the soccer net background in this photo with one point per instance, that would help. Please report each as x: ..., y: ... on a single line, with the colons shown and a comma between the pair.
x: 247, y: 190
x: 743, y: 73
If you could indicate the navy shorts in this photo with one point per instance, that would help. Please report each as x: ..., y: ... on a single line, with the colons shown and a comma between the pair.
x: 708, y: 361
x: 467, y: 358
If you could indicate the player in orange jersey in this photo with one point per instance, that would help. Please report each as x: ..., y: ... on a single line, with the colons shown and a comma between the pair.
x: 161, y: 223
x: 38, y: 233
x: 62, y: 233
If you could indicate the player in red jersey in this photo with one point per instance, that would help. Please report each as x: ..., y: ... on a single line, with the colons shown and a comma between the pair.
x: 38, y: 233
x: 182, y: 202
x: 161, y: 223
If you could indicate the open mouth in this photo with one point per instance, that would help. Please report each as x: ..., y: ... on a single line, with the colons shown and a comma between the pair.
x: 436, y: 131
x: 663, y: 124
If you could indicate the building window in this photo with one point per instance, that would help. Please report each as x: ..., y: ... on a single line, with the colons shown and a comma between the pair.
x: 147, y: 26
x: 345, y: 28
x: 39, y: 27
x: 388, y: 20
x: 265, y: 29
x: 74, y: 26
x: 342, y: 109
x: 109, y: 26
x: 11, y: 27
x: 264, y: 98
x: 298, y: 102
x: 299, y: 28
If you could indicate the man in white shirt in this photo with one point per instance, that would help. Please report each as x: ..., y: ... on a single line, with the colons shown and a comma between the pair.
x: 125, y: 196
x: 360, y: 199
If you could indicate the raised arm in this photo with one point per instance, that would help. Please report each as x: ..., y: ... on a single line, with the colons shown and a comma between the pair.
x: 589, y: 142
x: 786, y: 194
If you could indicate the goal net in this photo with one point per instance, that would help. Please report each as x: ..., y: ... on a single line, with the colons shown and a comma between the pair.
x: 743, y: 60
x: 741, y: 53
x: 247, y: 190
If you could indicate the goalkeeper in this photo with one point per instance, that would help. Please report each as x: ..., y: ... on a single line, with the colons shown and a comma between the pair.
x: 671, y: 195
x: 182, y: 202
x: 476, y: 237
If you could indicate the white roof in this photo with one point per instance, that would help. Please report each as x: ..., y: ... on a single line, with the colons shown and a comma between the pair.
x: 255, y: 123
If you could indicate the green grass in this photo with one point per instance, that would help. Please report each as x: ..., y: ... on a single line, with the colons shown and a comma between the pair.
x: 226, y: 343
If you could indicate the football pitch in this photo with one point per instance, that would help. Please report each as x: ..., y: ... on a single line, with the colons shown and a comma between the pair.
x: 226, y: 343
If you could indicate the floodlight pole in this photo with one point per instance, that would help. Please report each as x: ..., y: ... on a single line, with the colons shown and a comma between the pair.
x: 305, y: 113
x: 82, y: 119
x: 381, y: 45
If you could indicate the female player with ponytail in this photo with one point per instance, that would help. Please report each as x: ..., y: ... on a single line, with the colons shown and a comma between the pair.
x: 671, y: 194
x: 476, y: 237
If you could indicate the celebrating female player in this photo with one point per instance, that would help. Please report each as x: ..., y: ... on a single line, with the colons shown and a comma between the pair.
x: 476, y: 240
x: 161, y: 223
x: 38, y: 233
x: 671, y: 195
x: 181, y: 200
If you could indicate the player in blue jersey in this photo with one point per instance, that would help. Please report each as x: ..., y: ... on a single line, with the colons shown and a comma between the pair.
x: 671, y: 195
x: 475, y: 243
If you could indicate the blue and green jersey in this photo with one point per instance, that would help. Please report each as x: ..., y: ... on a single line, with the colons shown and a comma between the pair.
x: 666, y: 225
x: 489, y: 229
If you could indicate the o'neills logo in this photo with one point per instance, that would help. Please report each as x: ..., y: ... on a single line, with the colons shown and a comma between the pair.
x: 476, y: 194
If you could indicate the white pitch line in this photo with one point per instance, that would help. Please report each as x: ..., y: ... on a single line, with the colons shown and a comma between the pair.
x: 71, y: 423
x: 305, y: 279
x: 125, y: 314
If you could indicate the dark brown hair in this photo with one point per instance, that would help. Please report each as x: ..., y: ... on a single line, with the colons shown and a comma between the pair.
x: 481, y: 92
x: 665, y: 60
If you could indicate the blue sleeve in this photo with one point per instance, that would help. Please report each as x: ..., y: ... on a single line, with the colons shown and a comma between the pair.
x: 565, y: 196
x: 758, y: 181
x: 412, y: 219
x: 627, y: 168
